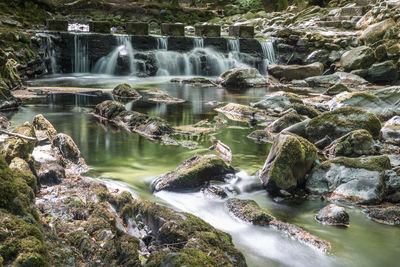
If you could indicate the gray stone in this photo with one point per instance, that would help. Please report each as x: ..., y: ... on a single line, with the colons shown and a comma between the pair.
x: 358, y: 58
x: 241, y: 31
x: 296, y: 72
x: 173, y: 29
x: 333, y: 215
x: 384, y: 72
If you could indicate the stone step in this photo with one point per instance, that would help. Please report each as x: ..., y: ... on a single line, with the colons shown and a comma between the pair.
x: 352, y: 11
x: 364, y: 2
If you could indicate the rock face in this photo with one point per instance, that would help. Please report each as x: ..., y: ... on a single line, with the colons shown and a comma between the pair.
x: 341, y: 121
x: 391, y: 130
x: 249, y: 211
x: 277, y: 102
x: 126, y: 91
x: 359, y: 180
x: 358, y: 58
x: 333, y: 215
x: 193, y: 173
x: 241, y: 78
x: 374, y: 32
x: 353, y: 144
x: 296, y: 72
x: 290, y: 159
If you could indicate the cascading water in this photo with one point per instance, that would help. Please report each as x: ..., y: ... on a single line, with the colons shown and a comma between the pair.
x: 51, y: 53
x: 81, y: 53
x: 109, y: 63
x: 162, y: 43
x: 198, y: 42
x: 269, y: 55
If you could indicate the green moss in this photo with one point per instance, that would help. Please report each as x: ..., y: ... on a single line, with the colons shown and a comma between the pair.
x: 378, y: 163
x: 186, y: 257
x: 362, y: 95
x: 248, y: 210
x: 303, y: 109
x: 18, y: 147
x: 341, y: 121
x: 30, y: 259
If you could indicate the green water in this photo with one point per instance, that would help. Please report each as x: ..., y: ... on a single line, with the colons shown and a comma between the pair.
x: 119, y: 158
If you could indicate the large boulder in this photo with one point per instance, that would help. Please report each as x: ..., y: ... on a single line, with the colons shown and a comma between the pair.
x: 48, y: 164
x: 359, y: 180
x: 365, y: 101
x: 290, y: 159
x: 43, y: 128
x: 20, y: 147
x: 249, y: 211
x: 354, y: 144
x: 358, y: 58
x: 242, y: 78
x: 332, y: 79
x: 277, y: 102
x: 333, y: 215
x: 109, y: 109
x: 238, y: 112
x: 336, y: 123
x: 384, y: 72
x: 285, y: 121
x: 374, y: 32
x: 296, y: 72
x: 193, y: 173
x: 126, y: 91
x: 67, y: 147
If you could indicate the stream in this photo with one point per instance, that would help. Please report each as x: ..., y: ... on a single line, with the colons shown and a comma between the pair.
x: 121, y: 159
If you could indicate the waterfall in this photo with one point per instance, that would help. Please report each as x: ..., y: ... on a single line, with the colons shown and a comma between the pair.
x: 198, y: 42
x: 269, y: 55
x: 234, y: 45
x: 109, y: 63
x: 162, y: 43
x: 81, y: 53
x: 51, y: 53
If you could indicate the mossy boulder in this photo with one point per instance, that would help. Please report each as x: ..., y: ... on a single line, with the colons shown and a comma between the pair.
x: 186, y: 257
x: 290, y: 159
x: 20, y: 147
x: 278, y: 101
x: 67, y: 147
x: 296, y: 72
x: 43, y: 127
x: 358, y: 58
x: 303, y: 109
x: 249, y: 211
x: 337, y: 89
x: 193, y: 173
x: 375, y: 31
x: 336, y: 123
x: 238, y: 112
x: 359, y: 180
x: 126, y: 91
x: 354, y: 144
x: 109, y: 109
x: 242, y: 78
x: 285, y: 121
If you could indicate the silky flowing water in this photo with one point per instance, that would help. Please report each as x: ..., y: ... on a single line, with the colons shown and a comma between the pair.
x: 121, y: 159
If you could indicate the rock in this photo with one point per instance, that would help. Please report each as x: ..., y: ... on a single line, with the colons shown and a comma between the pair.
x: 20, y: 164
x: 100, y: 26
x: 386, y: 215
x: 19, y: 147
x: 365, y: 101
x: 278, y: 101
x: 374, y: 32
x: 214, y: 192
x: 354, y: 144
x: 337, y: 77
x: 43, y: 128
x: 48, y: 165
x: 358, y: 58
x: 381, y: 53
x: 290, y: 159
x: 341, y: 121
x: 67, y: 147
x: 285, y: 121
x: 249, y: 211
x: 391, y: 131
x: 333, y: 215
x: 393, y: 51
x: 298, y: 128
x: 261, y: 137
x: 359, y: 180
x: 154, y: 128
x: 392, y: 179
x: 173, y: 29
x: 242, y: 78
x: 384, y: 72
x: 296, y: 72
x: 337, y: 89
x: 193, y: 173
x: 4, y: 123
x: 316, y: 56
x: 157, y: 96
x: 303, y: 109
x: 238, y: 112
x: 126, y: 91
x: 109, y: 109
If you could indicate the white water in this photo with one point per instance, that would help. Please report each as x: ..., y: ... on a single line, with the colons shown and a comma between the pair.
x: 81, y: 53
x: 269, y: 55
x: 51, y: 53
x: 108, y: 64
x: 162, y: 43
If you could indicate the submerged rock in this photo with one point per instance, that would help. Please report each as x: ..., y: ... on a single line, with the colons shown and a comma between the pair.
x: 242, y: 78
x: 341, y: 121
x: 193, y: 173
x: 238, y: 112
x: 333, y: 215
x: 261, y: 137
x: 296, y: 72
x: 387, y: 215
x: 359, y: 180
x: 289, y: 160
x: 278, y: 101
x: 354, y: 144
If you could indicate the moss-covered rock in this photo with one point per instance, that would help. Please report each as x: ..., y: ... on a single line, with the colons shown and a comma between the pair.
x: 242, y: 78
x: 290, y: 159
x: 248, y: 210
x: 358, y: 58
x: 337, y: 89
x: 67, y: 147
x: 341, y: 121
x: 20, y: 147
x: 109, y: 109
x: 303, y: 109
x: 354, y: 144
x: 285, y: 121
x: 193, y: 173
x: 44, y: 127
x: 278, y: 101
x: 238, y: 112
x: 186, y: 257
x: 126, y: 91
x: 359, y: 180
